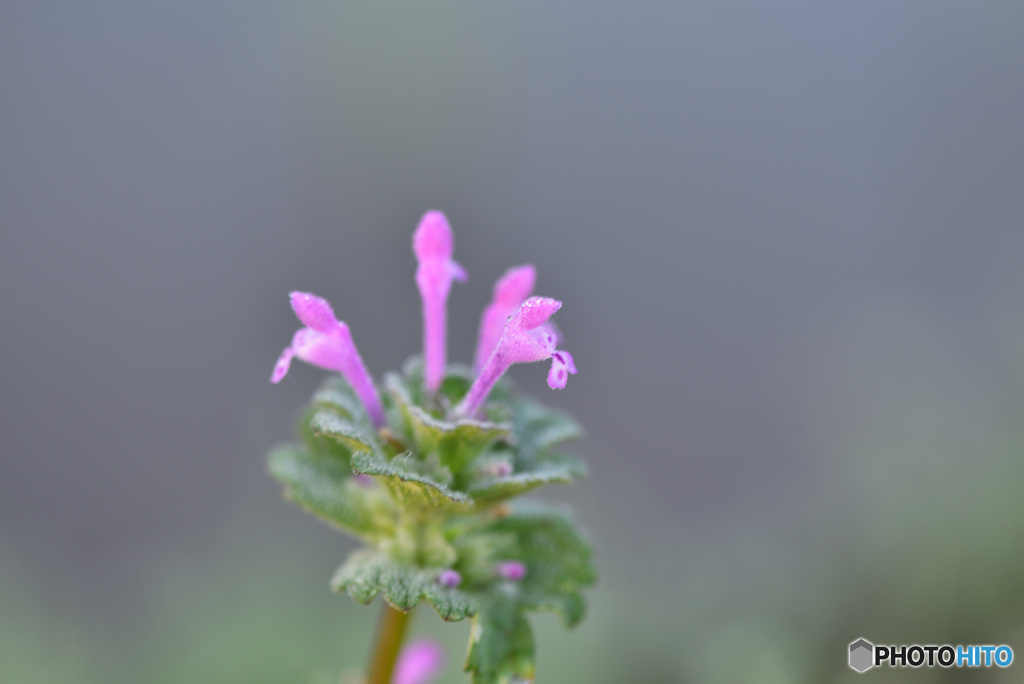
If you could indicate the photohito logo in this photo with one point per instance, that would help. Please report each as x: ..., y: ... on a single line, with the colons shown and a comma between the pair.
x: 864, y: 655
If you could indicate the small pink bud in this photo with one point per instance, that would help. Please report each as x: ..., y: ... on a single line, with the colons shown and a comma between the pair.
x: 419, y: 663
x: 501, y: 469
x: 449, y: 578
x: 512, y: 571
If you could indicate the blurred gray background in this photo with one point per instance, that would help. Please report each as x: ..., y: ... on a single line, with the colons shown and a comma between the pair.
x: 788, y: 237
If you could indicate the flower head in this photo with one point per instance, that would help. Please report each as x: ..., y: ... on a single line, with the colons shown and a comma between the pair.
x: 511, y: 330
x: 433, y: 245
x: 509, y: 293
x: 419, y: 663
x: 525, y: 339
x: 327, y: 343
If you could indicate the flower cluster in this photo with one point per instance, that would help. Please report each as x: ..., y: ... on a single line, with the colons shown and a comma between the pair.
x: 512, y: 329
x: 425, y: 468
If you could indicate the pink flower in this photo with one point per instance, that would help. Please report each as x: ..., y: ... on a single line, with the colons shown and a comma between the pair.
x: 419, y: 663
x: 512, y: 571
x: 525, y: 339
x: 433, y: 246
x: 509, y: 293
x: 327, y: 343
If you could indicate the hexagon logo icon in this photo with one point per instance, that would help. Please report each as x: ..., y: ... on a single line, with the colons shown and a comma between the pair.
x: 862, y: 655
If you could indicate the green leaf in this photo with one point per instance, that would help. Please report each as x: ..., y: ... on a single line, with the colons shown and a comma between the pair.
x: 368, y: 572
x: 321, y: 484
x: 538, y: 428
x: 500, y: 644
x: 558, y: 560
x: 330, y: 423
x: 411, y: 490
x: 337, y: 394
x: 454, y: 385
x: 456, y: 443
x: 553, y: 469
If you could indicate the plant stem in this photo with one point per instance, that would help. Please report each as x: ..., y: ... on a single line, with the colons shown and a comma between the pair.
x: 389, y: 640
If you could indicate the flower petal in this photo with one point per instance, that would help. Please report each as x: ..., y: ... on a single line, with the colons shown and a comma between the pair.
x: 319, y: 349
x: 433, y: 238
x: 562, y: 366
x: 458, y: 271
x: 314, y: 311
x: 535, y: 311
x: 515, y: 286
x: 509, y: 293
x: 284, y: 361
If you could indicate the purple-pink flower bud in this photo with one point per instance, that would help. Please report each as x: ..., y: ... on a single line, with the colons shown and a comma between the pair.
x: 512, y: 571
x: 327, y: 343
x: 449, y: 578
x: 509, y: 293
x: 525, y: 339
x: 419, y: 663
x: 501, y: 469
x: 433, y: 245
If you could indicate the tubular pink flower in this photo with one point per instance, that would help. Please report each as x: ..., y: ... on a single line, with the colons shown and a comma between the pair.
x: 327, y: 343
x: 509, y: 293
x: 419, y: 663
x: 432, y: 243
x: 525, y: 339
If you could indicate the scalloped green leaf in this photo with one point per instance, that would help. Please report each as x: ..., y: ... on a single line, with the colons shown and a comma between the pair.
x: 558, y: 560
x: 555, y: 469
x: 368, y: 572
x: 321, y: 484
x: 321, y: 444
x: 500, y: 644
x: 411, y: 490
x: 330, y: 423
x: 539, y: 428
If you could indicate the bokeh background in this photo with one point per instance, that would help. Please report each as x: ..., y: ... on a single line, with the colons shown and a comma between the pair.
x: 789, y: 237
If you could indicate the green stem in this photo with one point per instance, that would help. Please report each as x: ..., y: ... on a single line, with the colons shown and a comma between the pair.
x: 389, y: 641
